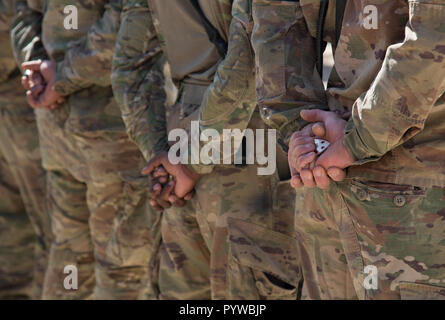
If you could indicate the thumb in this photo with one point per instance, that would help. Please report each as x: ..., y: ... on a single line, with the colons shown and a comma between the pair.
x: 153, y: 164
x: 32, y: 65
x: 313, y: 115
x: 319, y: 130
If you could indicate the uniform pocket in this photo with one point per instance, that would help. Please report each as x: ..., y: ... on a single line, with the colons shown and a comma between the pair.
x: 264, y: 264
x: 399, y: 234
x: 419, y: 291
x: 393, y: 201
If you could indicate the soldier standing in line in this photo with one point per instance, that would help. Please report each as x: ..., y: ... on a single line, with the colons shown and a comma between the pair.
x: 254, y: 250
x: 388, y: 76
x: 97, y: 198
x: 25, y: 231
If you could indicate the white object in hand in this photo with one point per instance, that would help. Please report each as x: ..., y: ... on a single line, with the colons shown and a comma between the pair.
x: 321, y: 145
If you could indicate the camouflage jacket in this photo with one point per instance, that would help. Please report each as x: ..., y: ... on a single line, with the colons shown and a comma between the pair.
x: 7, y: 62
x: 397, y: 86
x: 80, y: 37
x: 138, y: 79
x: 387, y: 72
x: 230, y: 100
x: 285, y: 55
x: 234, y: 95
x: 12, y: 94
x: 192, y: 59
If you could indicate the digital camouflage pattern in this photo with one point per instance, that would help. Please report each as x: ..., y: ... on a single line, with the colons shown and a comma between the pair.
x: 256, y: 271
x: 362, y: 56
x: 286, y: 83
x: 390, y: 79
x: 194, y: 252
x: 375, y: 222
x: 229, y: 192
x: 285, y: 57
x: 25, y: 232
x: 138, y: 83
x: 264, y: 257
x: 138, y: 79
x: 395, y: 119
x: 230, y: 101
x: 98, y: 202
x: 183, y: 265
x: 400, y: 231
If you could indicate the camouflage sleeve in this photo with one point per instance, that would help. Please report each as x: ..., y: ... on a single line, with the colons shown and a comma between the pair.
x: 26, y: 32
x: 285, y: 58
x: 406, y: 89
x: 7, y: 63
x: 230, y: 101
x: 88, y: 61
x: 138, y: 80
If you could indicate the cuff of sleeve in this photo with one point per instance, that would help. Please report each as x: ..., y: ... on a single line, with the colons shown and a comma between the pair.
x: 295, y: 122
x: 356, y: 146
x: 63, y: 84
x: 147, y: 152
x: 202, y: 169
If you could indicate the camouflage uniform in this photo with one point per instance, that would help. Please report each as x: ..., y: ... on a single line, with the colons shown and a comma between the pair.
x: 98, y: 203
x: 197, y: 237
x: 25, y: 232
x: 138, y: 83
x: 277, y: 34
x: 287, y: 82
x: 389, y: 212
x: 263, y: 259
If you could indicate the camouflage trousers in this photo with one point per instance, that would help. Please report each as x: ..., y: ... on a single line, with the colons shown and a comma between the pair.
x: 25, y: 232
x: 234, y: 241
x: 264, y: 260
x: 183, y: 269
x: 101, y: 220
x: 390, y: 239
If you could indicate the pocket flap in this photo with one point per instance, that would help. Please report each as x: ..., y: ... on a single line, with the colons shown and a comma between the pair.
x: 265, y: 250
x: 420, y: 291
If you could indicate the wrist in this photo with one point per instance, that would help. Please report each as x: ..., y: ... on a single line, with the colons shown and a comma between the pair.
x: 346, y: 154
x: 191, y: 173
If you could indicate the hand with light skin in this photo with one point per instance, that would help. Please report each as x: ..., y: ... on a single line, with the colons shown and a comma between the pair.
x: 170, y: 185
x: 328, y: 166
x: 40, y: 84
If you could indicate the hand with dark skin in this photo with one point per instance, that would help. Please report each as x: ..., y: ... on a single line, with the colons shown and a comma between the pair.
x: 161, y: 191
x: 33, y: 83
x: 170, y: 185
x: 329, y: 166
x: 40, y: 84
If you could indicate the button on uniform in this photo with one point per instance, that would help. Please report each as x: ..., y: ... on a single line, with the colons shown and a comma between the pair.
x: 362, y: 195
